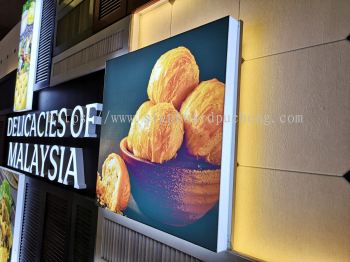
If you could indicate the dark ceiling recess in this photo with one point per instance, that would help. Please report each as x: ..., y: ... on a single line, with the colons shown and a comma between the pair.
x: 10, y: 15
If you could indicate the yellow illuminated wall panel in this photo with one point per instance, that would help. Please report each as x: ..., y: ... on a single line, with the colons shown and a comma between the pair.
x: 291, y: 202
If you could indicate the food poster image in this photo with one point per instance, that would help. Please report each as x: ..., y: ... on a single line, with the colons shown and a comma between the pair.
x: 22, y: 90
x: 161, y: 140
x: 8, y: 198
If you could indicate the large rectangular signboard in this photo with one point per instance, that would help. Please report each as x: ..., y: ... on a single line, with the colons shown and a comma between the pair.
x: 27, y: 55
x: 167, y: 146
x: 9, y: 188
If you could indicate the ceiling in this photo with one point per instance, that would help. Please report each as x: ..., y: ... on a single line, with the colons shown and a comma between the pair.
x: 10, y: 15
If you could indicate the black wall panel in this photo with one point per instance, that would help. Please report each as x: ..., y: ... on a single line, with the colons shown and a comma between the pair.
x: 34, y: 202
x: 7, y: 91
x: 58, y: 224
x: 81, y: 91
x: 2, y: 139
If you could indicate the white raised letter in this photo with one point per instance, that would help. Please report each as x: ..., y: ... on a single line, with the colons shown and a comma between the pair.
x: 11, y: 160
x: 26, y: 133
x: 41, y: 115
x: 9, y: 126
x: 92, y: 119
x: 35, y: 161
x: 52, y: 131
x: 75, y: 168
x: 79, y: 120
x: 20, y: 157
x: 43, y: 158
x: 52, y: 176
x: 62, y: 132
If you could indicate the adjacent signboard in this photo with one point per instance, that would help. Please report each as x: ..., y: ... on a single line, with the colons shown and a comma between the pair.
x: 9, y: 186
x: 167, y: 146
x: 27, y: 55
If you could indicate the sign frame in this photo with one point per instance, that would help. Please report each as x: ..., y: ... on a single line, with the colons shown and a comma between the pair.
x: 33, y: 56
x: 17, y: 231
x: 228, y: 164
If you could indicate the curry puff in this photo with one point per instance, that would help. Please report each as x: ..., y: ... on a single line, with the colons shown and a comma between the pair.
x: 202, y: 112
x: 173, y: 77
x: 156, y: 132
x: 113, y: 187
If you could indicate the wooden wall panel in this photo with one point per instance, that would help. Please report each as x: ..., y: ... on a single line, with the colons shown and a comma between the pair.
x: 313, y: 83
x: 287, y: 216
x: 272, y: 26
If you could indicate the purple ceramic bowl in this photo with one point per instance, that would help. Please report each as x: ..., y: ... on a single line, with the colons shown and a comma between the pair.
x: 177, y: 192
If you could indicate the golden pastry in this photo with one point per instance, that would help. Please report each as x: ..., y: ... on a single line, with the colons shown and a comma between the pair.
x: 173, y: 77
x: 113, y: 188
x: 156, y: 132
x: 202, y: 112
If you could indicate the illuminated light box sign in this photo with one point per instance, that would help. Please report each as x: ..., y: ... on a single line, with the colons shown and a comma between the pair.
x: 9, y: 186
x: 167, y: 158
x: 57, y: 163
x: 27, y: 55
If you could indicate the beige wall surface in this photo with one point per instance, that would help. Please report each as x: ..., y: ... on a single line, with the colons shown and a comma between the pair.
x: 288, y: 216
x: 9, y: 51
x: 276, y: 26
x: 292, y: 203
x: 295, y: 110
